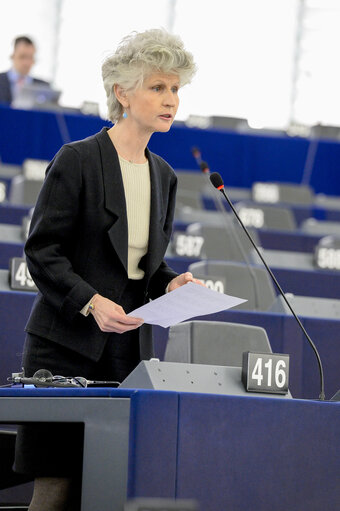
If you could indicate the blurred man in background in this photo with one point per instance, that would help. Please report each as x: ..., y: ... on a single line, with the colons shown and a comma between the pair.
x: 12, y: 81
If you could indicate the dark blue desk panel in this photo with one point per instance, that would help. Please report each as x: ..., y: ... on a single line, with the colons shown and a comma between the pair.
x: 262, y: 454
x: 41, y: 134
x: 8, y: 250
x: 240, y: 158
x: 293, y: 241
x: 331, y: 215
x: 15, y: 307
x: 19, y: 391
x: 12, y: 214
x: 227, y: 452
x: 239, y: 453
x: 160, y: 455
x: 276, y: 240
x: 301, y: 212
x: 324, y: 284
x: 244, y: 158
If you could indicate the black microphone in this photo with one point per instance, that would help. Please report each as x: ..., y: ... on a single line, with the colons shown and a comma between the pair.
x: 204, y: 167
x: 217, y: 182
x: 196, y: 152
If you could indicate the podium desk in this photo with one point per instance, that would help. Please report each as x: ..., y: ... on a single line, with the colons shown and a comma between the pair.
x: 227, y: 452
x: 283, y: 332
x: 105, y: 415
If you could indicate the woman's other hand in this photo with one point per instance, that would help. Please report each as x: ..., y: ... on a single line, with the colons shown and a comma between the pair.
x: 182, y: 279
x: 111, y: 317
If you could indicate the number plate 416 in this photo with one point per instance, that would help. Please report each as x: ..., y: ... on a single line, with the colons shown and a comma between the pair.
x: 265, y: 372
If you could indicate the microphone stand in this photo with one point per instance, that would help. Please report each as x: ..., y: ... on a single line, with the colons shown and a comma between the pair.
x: 322, y: 383
x: 218, y: 203
x: 219, y: 206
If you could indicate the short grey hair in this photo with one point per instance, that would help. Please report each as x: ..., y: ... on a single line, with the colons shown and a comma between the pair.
x: 138, y: 56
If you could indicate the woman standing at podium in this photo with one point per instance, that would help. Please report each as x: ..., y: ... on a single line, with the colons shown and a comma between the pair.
x: 98, y: 236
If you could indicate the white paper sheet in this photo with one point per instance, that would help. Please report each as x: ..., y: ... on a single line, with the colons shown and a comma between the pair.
x: 183, y: 303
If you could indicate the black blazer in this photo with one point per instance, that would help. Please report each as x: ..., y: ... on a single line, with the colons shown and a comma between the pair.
x: 5, y: 88
x: 78, y: 242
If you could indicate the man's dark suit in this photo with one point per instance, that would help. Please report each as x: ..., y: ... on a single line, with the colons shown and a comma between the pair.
x: 78, y: 242
x: 5, y: 88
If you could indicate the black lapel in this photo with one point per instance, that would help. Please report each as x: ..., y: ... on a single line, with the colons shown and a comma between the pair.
x: 114, y: 196
x: 115, y: 203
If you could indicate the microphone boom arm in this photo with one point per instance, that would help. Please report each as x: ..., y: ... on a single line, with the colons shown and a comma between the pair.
x: 322, y: 384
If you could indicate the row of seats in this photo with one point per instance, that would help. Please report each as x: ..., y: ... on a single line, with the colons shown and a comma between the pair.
x: 217, y: 235
x: 222, y: 237
x: 230, y: 246
x: 261, y: 192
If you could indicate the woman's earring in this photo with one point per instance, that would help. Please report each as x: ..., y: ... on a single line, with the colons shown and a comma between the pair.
x: 124, y: 115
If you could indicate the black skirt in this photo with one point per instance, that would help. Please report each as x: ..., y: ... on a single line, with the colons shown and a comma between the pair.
x: 55, y: 449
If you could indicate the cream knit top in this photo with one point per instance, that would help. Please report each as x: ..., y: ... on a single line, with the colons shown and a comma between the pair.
x: 136, y: 181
